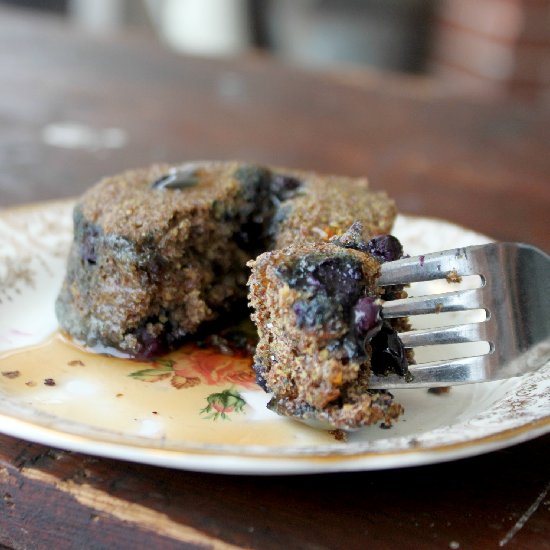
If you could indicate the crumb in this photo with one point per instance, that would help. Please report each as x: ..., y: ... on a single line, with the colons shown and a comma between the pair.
x: 385, y: 426
x: 338, y: 304
x: 76, y: 363
x: 155, y: 412
x: 49, y: 382
x: 439, y: 391
x: 11, y: 373
x: 119, y: 395
x: 30, y: 383
x: 453, y: 277
x: 339, y: 435
x: 438, y: 308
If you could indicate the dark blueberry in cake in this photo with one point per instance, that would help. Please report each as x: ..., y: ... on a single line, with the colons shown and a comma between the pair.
x: 352, y: 238
x: 284, y: 187
x: 256, y: 213
x: 338, y: 276
x: 333, y: 285
x: 388, y: 352
x: 246, y: 237
x: 386, y: 248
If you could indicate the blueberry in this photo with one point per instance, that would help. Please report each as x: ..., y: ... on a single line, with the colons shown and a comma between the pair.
x: 339, y: 277
x: 366, y: 315
x: 386, y: 248
x: 388, y: 352
x: 331, y: 286
x: 254, y: 214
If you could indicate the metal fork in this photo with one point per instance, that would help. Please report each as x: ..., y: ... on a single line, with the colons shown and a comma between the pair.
x: 515, y: 294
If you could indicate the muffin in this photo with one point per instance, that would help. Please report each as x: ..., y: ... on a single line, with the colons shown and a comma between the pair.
x: 159, y: 253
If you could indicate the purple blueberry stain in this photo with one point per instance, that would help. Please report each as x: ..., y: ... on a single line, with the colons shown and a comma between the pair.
x: 299, y: 308
x: 422, y: 258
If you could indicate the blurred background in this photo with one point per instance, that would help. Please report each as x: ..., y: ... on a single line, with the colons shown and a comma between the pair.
x: 481, y: 47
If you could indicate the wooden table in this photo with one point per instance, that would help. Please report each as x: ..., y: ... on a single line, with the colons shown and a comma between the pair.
x: 483, y: 165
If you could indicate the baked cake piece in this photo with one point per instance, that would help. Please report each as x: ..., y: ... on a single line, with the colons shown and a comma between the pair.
x: 317, y: 308
x: 160, y: 251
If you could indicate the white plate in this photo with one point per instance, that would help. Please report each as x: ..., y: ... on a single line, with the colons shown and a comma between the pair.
x: 101, y: 406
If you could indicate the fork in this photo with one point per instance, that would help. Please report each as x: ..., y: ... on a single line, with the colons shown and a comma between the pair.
x: 515, y: 294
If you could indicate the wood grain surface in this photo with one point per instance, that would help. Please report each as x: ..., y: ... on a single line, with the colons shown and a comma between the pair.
x: 65, y: 500
x: 483, y: 165
x: 74, y: 108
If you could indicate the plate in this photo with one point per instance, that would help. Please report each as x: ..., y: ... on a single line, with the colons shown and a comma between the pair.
x: 198, y: 408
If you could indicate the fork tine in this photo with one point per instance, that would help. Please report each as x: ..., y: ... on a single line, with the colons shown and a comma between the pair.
x: 434, y: 303
x: 439, y: 373
x: 515, y: 295
x: 456, y: 334
x: 429, y: 267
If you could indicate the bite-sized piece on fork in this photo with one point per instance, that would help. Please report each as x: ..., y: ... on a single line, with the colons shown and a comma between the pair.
x: 515, y: 294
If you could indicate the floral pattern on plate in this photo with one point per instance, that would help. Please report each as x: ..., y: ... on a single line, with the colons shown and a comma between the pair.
x: 193, y: 365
